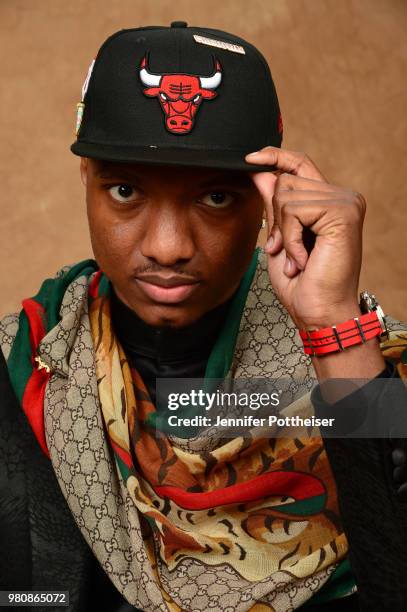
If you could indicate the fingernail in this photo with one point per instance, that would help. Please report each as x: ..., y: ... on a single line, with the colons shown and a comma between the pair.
x: 269, y: 243
x: 288, y: 266
x: 254, y: 153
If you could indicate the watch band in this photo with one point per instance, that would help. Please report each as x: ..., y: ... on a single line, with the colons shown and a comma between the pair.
x: 338, y: 337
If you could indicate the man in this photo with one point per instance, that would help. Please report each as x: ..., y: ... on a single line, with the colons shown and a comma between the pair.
x: 179, y: 134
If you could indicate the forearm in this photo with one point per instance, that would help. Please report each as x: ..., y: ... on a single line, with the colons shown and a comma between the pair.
x: 359, y: 363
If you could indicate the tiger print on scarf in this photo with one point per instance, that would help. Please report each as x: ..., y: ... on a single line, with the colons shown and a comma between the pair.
x: 180, y: 524
x: 282, y: 506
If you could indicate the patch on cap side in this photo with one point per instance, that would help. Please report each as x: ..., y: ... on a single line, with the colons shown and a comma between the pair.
x: 86, y: 82
x: 221, y: 44
x: 80, y: 107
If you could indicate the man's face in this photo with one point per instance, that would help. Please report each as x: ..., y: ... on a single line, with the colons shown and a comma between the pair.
x: 175, y: 242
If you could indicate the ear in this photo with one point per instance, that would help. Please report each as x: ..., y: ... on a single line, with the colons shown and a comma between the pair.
x: 84, y: 170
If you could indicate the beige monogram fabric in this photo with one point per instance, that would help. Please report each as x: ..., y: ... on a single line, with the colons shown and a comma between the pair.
x: 267, y: 346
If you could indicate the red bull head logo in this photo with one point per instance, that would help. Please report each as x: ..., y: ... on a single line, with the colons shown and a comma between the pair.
x: 180, y: 95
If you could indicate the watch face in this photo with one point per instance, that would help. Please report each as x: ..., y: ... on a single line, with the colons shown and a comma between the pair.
x: 368, y: 303
x: 365, y: 302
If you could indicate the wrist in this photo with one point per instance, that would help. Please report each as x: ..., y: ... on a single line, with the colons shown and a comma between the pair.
x: 329, y: 317
x: 356, y: 326
x: 326, y: 340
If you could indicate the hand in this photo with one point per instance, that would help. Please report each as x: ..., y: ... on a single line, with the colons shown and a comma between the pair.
x: 319, y: 288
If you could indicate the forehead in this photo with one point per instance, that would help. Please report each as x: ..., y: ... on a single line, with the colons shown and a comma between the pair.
x: 161, y: 174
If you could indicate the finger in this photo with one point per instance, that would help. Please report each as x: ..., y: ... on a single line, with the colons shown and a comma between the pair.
x: 290, y: 182
x: 280, y: 270
x: 288, y: 161
x: 289, y: 234
x: 265, y: 184
x: 292, y: 236
x: 286, y: 196
x: 275, y: 239
x: 290, y: 267
x: 294, y: 218
x: 274, y: 242
x: 323, y: 218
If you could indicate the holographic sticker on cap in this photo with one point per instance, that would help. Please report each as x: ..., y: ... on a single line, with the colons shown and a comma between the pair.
x: 221, y: 44
x: 80, y: 107
x: 180, y: 95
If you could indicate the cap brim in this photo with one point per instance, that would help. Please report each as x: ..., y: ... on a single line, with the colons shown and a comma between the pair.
x: 226, y: 160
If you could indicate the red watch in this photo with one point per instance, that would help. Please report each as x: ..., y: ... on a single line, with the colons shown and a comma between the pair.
x: 370, y: 324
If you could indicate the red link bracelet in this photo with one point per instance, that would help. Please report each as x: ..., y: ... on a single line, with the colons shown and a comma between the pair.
x: 338, y: 337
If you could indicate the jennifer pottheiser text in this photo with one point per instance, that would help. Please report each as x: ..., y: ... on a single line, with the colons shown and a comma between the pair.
x: 249, y: 421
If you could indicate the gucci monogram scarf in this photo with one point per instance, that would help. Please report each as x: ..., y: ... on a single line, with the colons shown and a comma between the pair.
x: 180, y: 524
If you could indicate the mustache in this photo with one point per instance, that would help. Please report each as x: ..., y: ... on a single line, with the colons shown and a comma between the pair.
x: 176, y: 269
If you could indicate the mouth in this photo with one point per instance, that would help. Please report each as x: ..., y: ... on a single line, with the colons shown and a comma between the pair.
x: 166, y: 289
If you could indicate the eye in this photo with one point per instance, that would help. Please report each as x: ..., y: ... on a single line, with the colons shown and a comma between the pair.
x: 163, y: 96
x: 217, y: 199
x: 123, y: 193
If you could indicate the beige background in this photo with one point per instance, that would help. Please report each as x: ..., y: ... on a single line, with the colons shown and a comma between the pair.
x: 340, y: 67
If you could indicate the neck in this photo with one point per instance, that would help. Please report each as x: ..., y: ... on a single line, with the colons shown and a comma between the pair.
x: 167, y: 343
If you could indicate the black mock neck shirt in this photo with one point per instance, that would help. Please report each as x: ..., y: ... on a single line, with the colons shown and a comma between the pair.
x: 166, y: 352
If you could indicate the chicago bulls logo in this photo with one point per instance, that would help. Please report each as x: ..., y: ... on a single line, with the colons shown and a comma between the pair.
x: 180, y: 95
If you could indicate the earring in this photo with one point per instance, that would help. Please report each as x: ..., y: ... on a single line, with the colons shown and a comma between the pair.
x: 263, y: 223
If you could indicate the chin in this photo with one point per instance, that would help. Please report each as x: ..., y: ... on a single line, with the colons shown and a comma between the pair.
x: 161, y: 315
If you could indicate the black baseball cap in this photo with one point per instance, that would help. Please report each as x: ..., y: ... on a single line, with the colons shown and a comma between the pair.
x: 178, y: 95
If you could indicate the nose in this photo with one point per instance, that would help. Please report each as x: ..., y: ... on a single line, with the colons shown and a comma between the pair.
x: 168, y: 238
x: 179, y: 123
